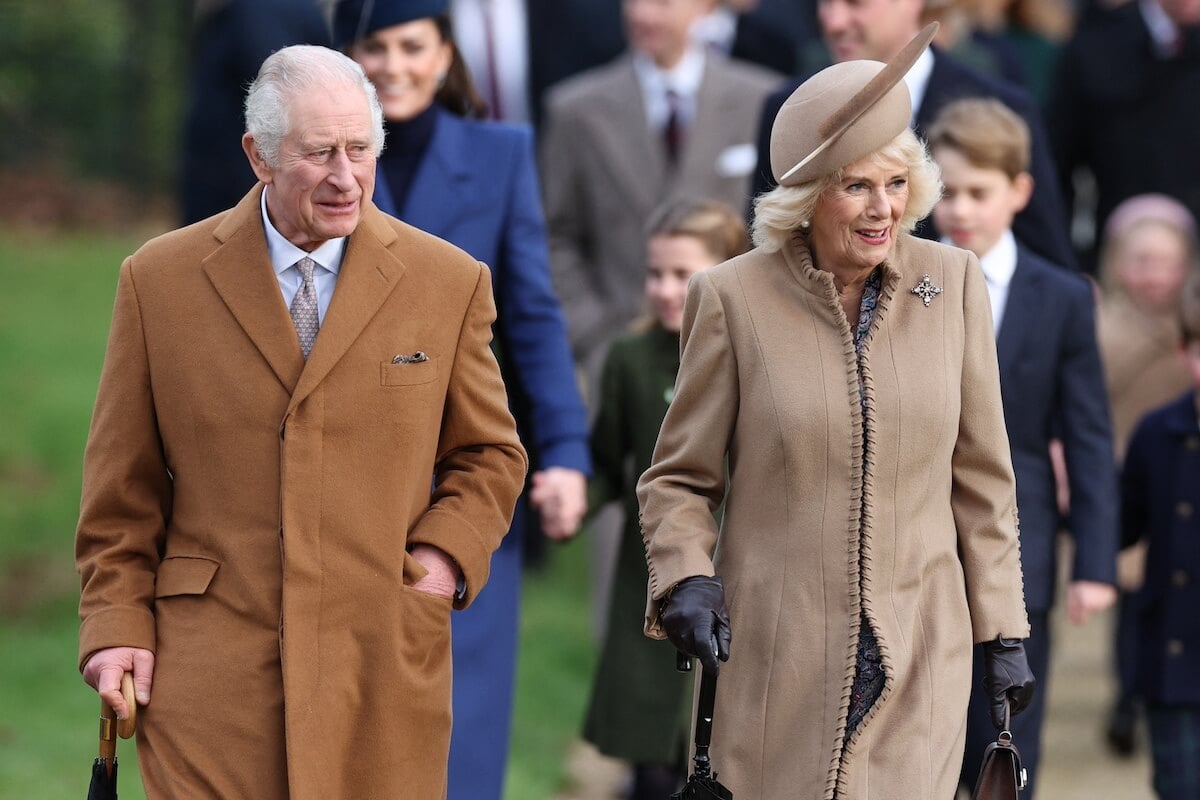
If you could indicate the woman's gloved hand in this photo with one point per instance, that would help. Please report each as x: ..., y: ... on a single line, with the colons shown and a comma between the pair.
x: 1007, y: 679
x: 697, y: 621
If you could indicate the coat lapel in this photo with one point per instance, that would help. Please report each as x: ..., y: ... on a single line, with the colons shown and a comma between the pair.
x: 1020, y: 309
x: 368, y: 275
x: 240, y: 271
x: 635, y: 156
x: 433, y: 199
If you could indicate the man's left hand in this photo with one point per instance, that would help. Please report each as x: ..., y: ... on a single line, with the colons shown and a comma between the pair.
x: 442, y: 579
x: 560, y: 495
x: 1085, y: 598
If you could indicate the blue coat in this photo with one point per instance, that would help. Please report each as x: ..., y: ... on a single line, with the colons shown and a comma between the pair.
x: 1160, y: 496
x: 477, y: 188
x: 1052, y: 385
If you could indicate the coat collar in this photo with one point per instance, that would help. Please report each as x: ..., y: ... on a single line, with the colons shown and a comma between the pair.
x: 240, y: 272
x: 1021, y: 310
x: 818, y: 282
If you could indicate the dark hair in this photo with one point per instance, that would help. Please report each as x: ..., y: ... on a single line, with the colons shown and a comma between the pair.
x: 457, y: 93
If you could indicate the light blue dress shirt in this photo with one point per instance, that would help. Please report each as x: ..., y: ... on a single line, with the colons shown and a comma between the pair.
x: 284, y: 255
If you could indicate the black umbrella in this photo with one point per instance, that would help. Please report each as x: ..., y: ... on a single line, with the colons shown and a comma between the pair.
x: 703, y: 783
x: 104, y: 768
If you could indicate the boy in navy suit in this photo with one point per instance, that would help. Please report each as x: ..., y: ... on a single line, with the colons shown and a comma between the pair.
x: 1052, y: 386
x: 1160, y: 502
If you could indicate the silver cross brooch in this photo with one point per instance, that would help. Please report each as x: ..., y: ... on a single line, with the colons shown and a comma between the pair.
x: 926, y: 290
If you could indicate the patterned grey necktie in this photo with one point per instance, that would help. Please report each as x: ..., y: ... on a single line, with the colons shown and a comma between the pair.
x: 304, y: 307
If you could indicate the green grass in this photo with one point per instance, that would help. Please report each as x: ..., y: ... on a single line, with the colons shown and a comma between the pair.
x: 54, y: 313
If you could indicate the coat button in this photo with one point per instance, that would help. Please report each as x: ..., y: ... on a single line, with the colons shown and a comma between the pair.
x: 1183, y: 509
x: 1192, y: 443
x: 1179, y: 579
x: 1174, y: 647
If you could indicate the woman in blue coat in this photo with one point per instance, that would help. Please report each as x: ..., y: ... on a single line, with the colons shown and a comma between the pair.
x: 474, y: 184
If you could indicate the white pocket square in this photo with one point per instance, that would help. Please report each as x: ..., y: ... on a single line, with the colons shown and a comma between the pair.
x: 737, y: 161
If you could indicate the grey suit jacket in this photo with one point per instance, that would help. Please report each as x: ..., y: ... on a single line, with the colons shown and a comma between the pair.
x: 605, y: 172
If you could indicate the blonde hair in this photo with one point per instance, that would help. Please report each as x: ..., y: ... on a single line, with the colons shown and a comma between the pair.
x: 715, y: 225
x: 786, y: 209
x: 986, y: 132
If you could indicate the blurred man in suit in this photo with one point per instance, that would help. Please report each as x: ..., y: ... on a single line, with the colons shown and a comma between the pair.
x: 877, y: 30
x: 665, y: 119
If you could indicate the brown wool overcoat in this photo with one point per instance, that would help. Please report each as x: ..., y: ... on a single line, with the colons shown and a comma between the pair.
x: 246, y: 515
x: 768, y: 385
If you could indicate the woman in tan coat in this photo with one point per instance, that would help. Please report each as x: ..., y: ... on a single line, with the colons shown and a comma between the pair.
x: 838, y: 389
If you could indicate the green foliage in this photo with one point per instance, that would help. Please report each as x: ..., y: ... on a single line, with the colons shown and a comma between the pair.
x: 93, y: 89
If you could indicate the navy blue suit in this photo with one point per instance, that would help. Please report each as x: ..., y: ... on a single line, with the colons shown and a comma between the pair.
x: 1042, y: 226
x: 1160, y: 502
x: 1052, y: 385
x: 476, y: 187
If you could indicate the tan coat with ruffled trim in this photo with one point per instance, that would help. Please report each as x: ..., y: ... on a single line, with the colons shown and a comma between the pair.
x: 768, y: 380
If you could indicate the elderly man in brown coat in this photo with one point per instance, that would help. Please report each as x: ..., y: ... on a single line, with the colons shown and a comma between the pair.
x: 301, y: 459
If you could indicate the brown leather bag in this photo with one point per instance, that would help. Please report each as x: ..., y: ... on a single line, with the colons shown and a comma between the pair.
x: 1001, y: 776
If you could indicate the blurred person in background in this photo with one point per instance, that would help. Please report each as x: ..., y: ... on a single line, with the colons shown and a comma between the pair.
x: 973, y: 46
x: 736, y: 29
x: 1148, y: 251
x: 876, y: 30
x: 838, y: 391
x: 230, y: 40
x: 474, y: 184
x: 517, y: 49
x: 1035, y: 31
x: 640, y: 705
x: 667, y: 119
x: 1125, y: 109
x: 300, y: 461
x: 1160, y: 498
x: 1052, y: 386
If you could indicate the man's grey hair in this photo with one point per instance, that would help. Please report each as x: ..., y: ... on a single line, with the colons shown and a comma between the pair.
x: 286, y: 74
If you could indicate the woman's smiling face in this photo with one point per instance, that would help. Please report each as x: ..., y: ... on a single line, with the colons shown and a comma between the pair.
x: 856, y: 220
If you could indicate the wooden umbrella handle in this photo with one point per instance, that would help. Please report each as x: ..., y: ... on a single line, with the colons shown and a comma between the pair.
x: 110, y: 725
x: 128, y: 726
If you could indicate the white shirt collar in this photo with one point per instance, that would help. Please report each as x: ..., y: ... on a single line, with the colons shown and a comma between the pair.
x: 684, y: 78
x: 917, y: 79
x: 284, y: 254
x: 1000, y: 262
x: 1162, y: 29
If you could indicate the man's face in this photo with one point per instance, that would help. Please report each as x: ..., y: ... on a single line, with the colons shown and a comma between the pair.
x: 875, y: 29
x: 326, y: 169
x: 660, y: 29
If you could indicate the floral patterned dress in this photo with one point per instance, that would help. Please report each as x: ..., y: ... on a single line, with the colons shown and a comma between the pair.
x: 868, y: 667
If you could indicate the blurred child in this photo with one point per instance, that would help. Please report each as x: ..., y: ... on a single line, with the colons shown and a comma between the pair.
x: 1051, y: 383
x: 640, y: 706
x: 1160, y: 496
x: 1149, y: 247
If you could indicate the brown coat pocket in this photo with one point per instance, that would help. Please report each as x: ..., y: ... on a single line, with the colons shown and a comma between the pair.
x: 407, y: 374
x: 184, y: 575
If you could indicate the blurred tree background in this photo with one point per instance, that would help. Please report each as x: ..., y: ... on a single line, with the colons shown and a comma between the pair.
x: 91, y: 97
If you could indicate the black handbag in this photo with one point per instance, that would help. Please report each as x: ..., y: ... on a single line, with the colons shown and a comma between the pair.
x: 1001, y: 775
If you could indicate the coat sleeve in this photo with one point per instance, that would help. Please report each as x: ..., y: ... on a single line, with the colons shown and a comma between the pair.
x: 983, y: 489
x: 1087, y: 442
x: 126, y: 496
x: 533, y: 334
x: 480, y: 466
x: 685, y: 484
x: 571, y: 241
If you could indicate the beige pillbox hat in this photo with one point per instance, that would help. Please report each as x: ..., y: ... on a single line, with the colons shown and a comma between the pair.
x: 843, y: 113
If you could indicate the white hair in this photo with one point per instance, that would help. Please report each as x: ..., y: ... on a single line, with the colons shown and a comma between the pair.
x: 286, y: 74
x: 783, y: 210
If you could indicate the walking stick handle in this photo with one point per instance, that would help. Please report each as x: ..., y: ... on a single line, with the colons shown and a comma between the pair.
x: 110, y: 726
x: 128, y: 726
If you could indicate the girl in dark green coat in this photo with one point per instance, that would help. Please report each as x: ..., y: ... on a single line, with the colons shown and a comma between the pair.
x: 640, y: 706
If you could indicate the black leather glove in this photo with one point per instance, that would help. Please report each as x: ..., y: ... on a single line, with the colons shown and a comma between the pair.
x: 1007, y: 678
x: 697, y: 621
